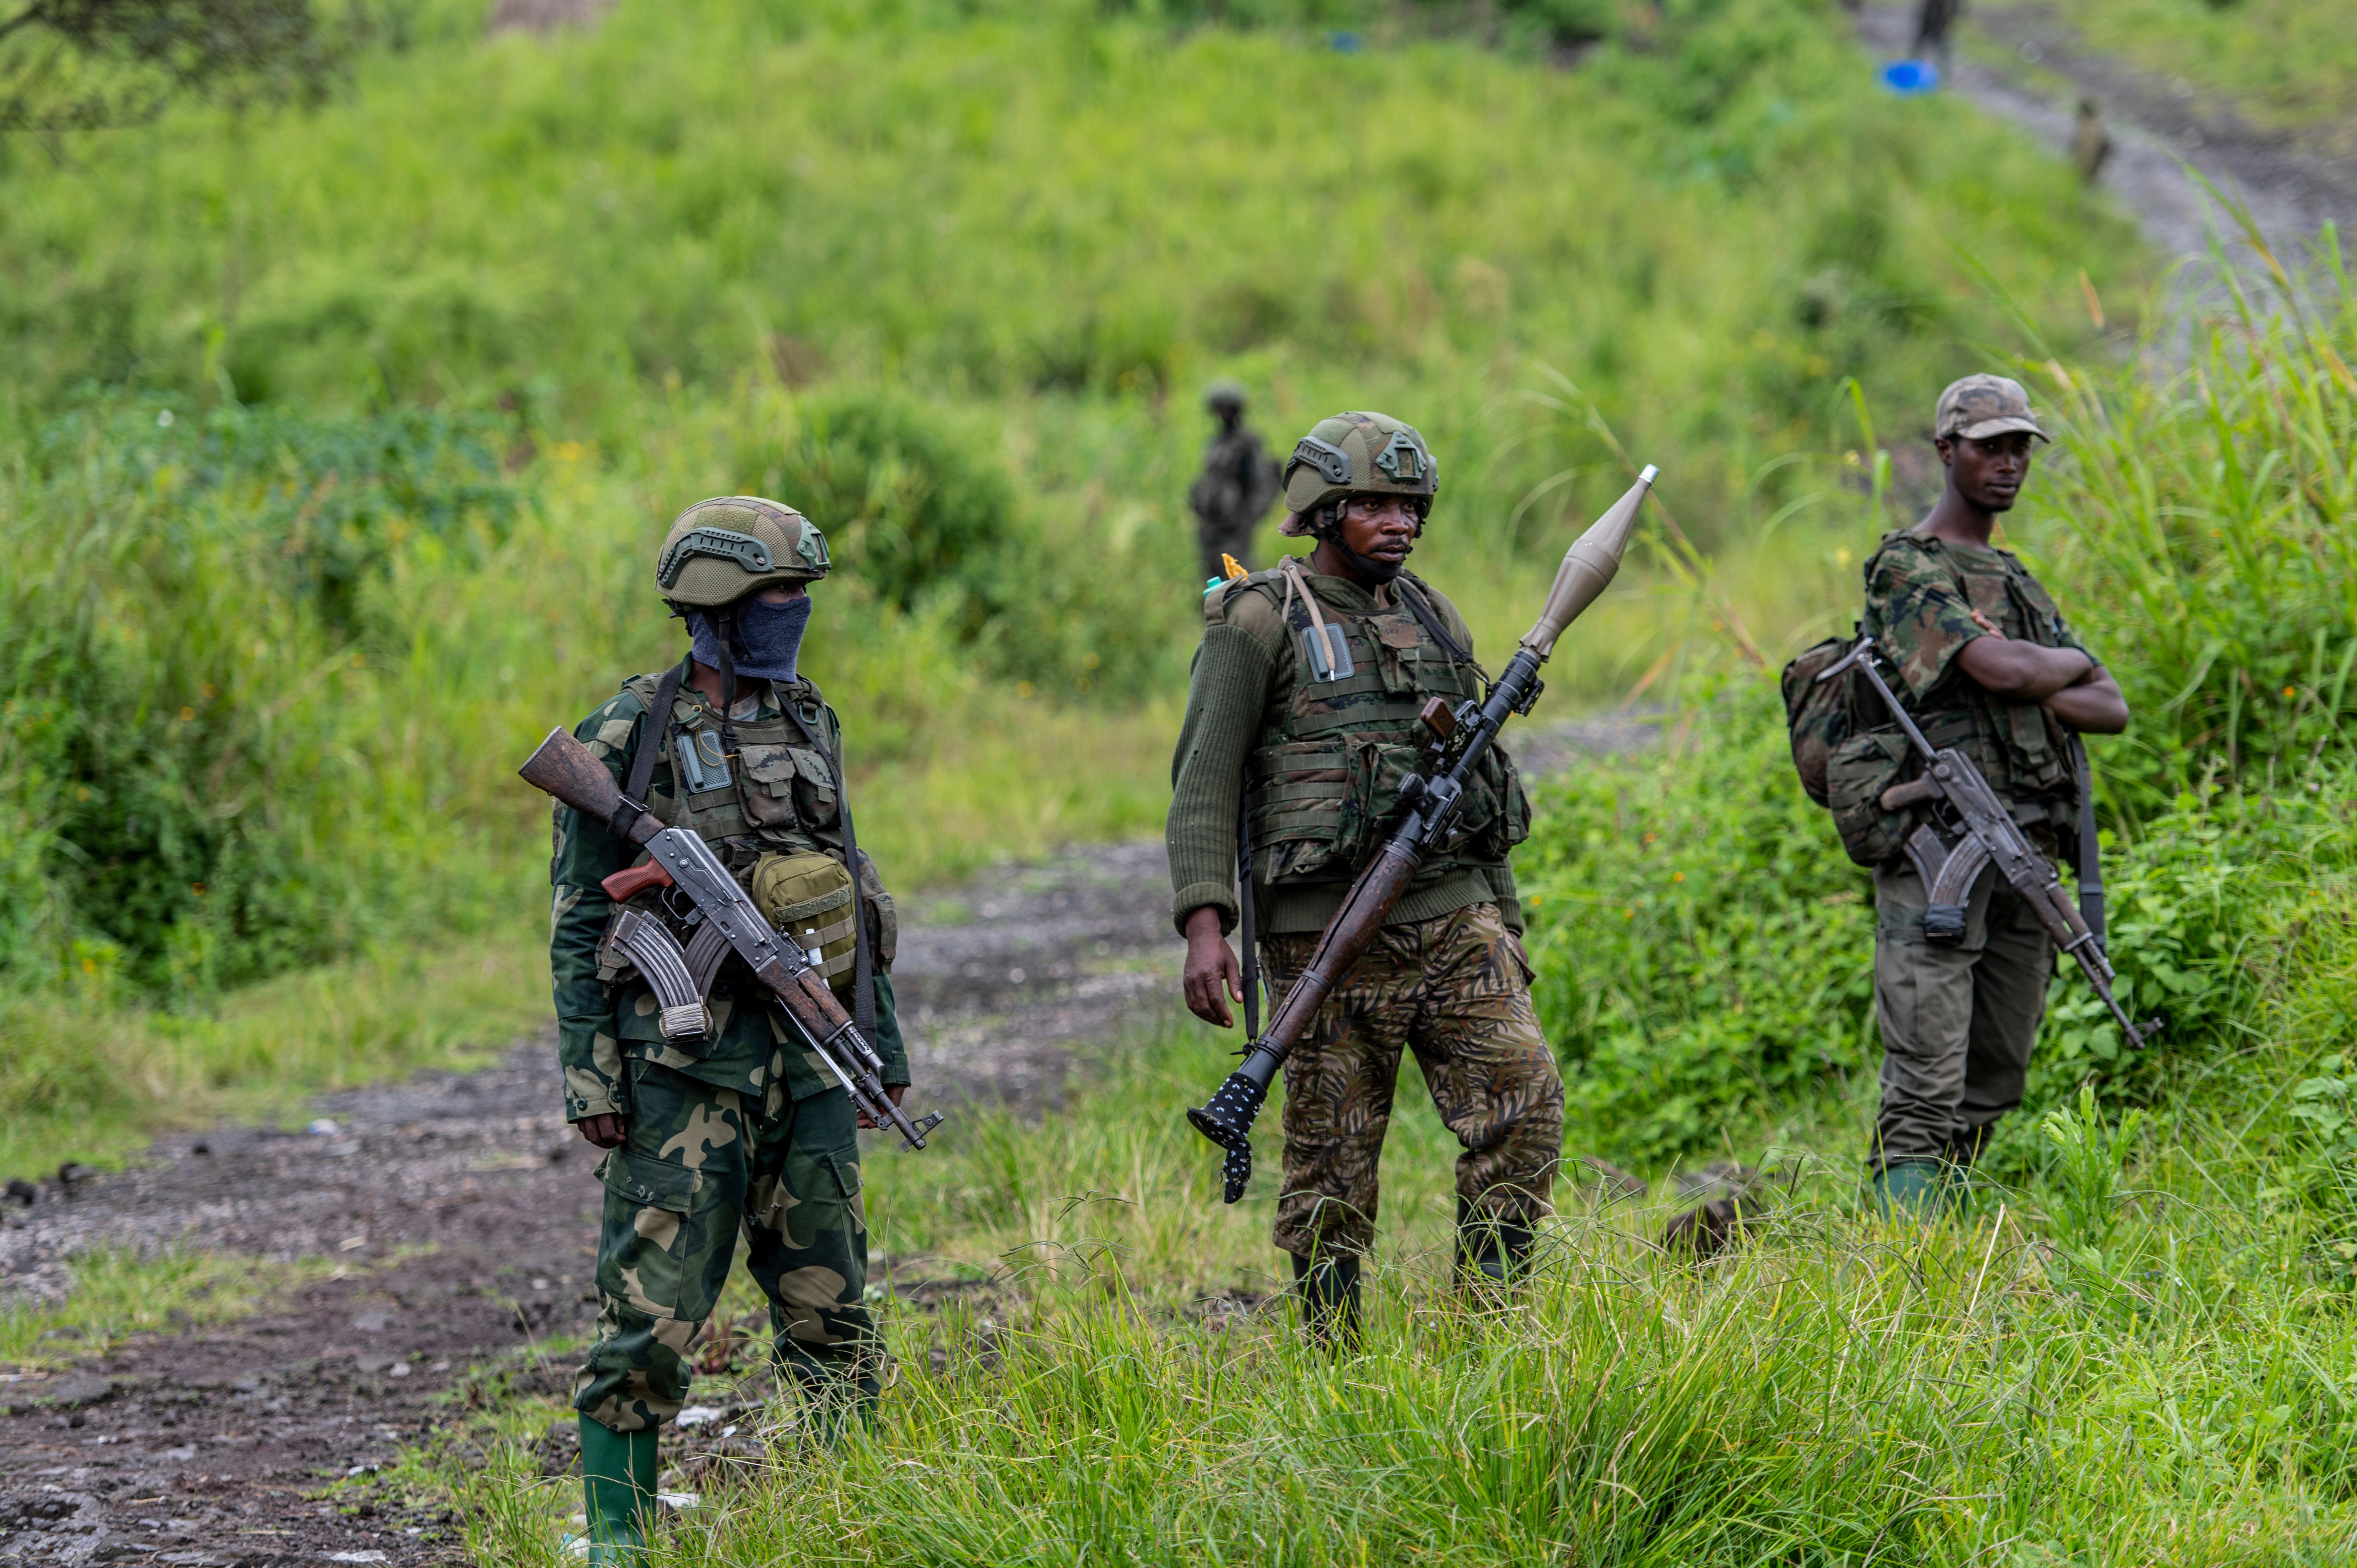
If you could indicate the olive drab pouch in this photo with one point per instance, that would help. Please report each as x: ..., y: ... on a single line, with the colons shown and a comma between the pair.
x: 1856, y: 773
x: 808, y: 898
x: 1325, y: 645
x: 769, y: 774
x: 883, y: 917
x: 814, y: 789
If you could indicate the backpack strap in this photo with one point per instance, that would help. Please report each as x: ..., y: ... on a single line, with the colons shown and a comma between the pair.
x: 862, y: 961
x: 657, y: 727
x: 1431, y: 621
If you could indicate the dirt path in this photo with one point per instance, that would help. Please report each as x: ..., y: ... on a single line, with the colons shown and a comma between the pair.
x: 462, y: 1212
x: 2292, y: 182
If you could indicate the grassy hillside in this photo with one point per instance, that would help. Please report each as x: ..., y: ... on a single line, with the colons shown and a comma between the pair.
x: 335, y: 442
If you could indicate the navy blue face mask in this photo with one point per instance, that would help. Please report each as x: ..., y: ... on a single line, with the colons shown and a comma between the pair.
x: 769, y: 637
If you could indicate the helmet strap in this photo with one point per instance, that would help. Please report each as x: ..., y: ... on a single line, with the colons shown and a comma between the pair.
x: 724, y: 627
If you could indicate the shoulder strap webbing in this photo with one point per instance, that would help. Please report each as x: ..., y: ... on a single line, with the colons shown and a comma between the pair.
x: 1431, y: 621
x: 651, y: 737
x: 862, y: 961
x: 2091, y: 855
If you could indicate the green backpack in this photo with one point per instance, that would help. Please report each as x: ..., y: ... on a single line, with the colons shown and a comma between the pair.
x: 1846, y: 750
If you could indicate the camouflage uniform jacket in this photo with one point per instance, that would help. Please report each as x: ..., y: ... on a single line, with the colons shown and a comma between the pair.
x: 755, y: 1049
x: 1324, y: 759
x: 1920, y: 592
x: 1238, y: 482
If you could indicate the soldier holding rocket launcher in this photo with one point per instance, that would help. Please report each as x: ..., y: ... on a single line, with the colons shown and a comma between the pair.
x: 1338, y: 697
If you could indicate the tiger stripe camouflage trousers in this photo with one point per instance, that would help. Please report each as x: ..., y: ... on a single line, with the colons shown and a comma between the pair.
x: 1456, y: 991
x: 702, y: 1163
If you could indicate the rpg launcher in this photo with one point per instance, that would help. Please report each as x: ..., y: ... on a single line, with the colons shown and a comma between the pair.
x: 1429, y: 804
x: 1969, y: 828
x: 564, y: 767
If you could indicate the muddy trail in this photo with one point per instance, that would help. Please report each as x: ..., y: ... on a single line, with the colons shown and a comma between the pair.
x: 460, y: 1213
x: 2291, y: 181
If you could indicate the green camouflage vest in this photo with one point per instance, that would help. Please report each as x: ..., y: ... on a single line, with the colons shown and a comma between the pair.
x: 2018, y: 745
x: 1326, y: 770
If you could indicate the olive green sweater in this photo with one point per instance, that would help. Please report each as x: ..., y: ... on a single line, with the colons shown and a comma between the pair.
x: 1243, y: 678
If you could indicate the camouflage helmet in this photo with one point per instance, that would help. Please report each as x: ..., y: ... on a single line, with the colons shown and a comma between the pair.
x: 720, y: 550
x: 1356, y: 455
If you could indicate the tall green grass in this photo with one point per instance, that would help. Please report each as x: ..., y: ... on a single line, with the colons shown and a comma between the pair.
x: 2279, y: 62
x: 2127, y: 1356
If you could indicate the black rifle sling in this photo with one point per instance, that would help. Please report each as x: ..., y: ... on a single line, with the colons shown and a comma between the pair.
x: 1431, y: 622
x: 2091, y: 855
x: 1247, y: 931
x: 862, y: 962
x: 651, y: 737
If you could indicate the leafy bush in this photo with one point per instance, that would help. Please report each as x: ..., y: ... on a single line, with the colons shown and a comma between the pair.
x: 1703, y: 947
x: 1705, y: 950
x: 909, y: 502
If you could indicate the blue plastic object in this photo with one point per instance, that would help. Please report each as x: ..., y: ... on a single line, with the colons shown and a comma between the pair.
x: 1345, y: 43
x: 1911, y: 76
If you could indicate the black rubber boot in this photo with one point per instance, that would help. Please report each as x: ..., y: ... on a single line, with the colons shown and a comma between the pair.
x: 1329, y: 1300
x: 1491, y: 1254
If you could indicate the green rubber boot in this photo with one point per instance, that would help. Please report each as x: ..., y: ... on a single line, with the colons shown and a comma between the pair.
x: 1911, y: 1189
x: 618, y: 1484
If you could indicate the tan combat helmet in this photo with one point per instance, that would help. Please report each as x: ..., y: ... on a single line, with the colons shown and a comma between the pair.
x: 720, y: 550
x: 1356, y: 455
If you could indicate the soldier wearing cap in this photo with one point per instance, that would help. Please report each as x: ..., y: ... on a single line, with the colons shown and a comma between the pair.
x: 1986, y: 664
x: 742, y: 1132
x: 1303, y: 703
x: 1237, y: 484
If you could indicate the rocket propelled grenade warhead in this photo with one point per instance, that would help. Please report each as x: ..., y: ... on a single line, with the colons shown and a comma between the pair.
x: 1588, y: 566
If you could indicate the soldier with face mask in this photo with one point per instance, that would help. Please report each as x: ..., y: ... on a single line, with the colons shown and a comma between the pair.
x: 1985, y: 663
x: 1302, y: 710
x: 742, y: 1131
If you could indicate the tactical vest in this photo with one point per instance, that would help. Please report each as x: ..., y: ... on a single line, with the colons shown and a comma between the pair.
x: 1325, y: 773
x: 2020, y: 749
x: 775, y: 796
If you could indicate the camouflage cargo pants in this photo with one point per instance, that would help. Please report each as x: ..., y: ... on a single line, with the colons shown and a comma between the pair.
x: 700, y: 1164
x: 1456, y: 991
x: 1957, y: 1022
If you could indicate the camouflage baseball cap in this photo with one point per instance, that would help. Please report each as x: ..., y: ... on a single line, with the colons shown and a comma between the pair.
x: 1356, y: 455
x: 1978, y: 407
x: 1224, y: 394
x: 720, y: 550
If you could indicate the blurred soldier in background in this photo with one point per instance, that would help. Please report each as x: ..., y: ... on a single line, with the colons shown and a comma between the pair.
x: 2090, y: 144
x: 1238, y: 482
x: 1934, y: 20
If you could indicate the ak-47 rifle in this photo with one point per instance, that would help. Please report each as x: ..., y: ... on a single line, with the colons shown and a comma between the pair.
x: 1429, y: 804
x: 564, y: 767
x: 1972, y: 828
